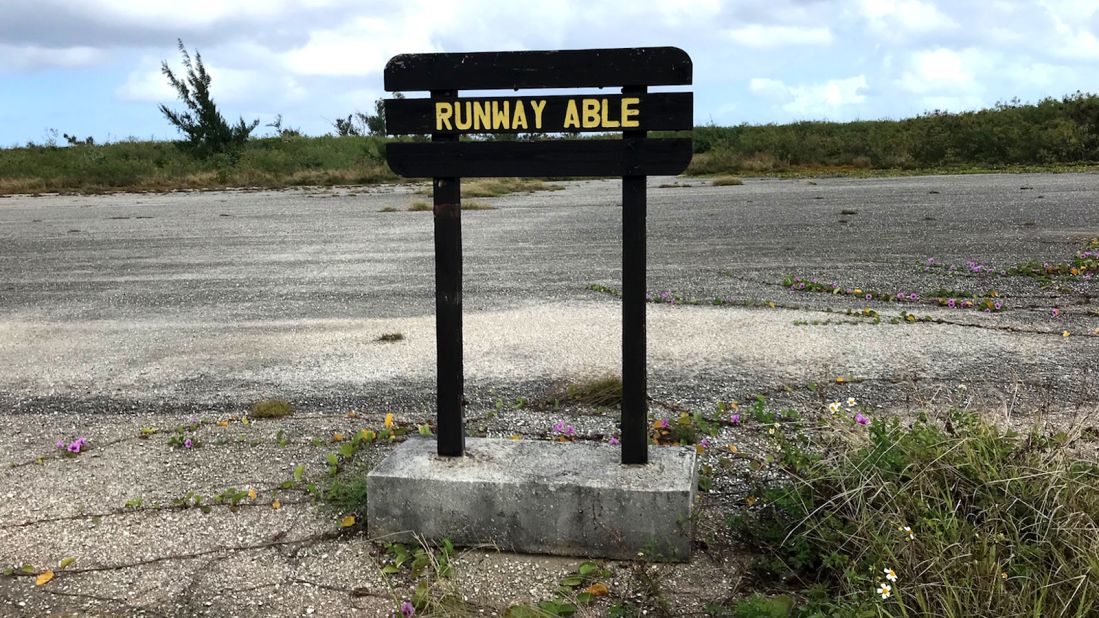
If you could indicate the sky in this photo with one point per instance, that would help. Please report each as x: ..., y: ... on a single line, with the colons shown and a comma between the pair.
x: 92, y: 67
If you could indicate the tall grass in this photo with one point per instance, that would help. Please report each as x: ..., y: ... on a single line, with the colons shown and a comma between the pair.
x: 998, y: 524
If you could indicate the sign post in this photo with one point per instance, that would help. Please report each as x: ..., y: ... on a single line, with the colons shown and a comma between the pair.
x: 447, y: 158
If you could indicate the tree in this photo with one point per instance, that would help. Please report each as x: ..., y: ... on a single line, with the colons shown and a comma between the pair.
x: 206, y: 129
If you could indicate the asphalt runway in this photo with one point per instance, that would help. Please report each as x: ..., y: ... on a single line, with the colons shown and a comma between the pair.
x: 211, y: 300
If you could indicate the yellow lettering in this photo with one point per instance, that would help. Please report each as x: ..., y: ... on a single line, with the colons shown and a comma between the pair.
x: 501, y: 115
x: 443, y: 112
x: 591, y: 113
x: 607, y: 122
x: 463, y: 124
x: 572, y: 117
x: 519, y: 120
x: 482, y: 119
x: 629, y: 112
x: 538, y: 106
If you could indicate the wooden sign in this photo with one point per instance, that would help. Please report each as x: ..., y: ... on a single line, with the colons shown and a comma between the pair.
x: 447, y: 117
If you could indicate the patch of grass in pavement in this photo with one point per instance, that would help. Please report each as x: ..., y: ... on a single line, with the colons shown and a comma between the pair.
x: 419, y: 206
x: 598, y: 392
x: 495, y: 187
x: 272, y: 408
x: 390, y: 337
x: 726, y: 181
x: 475, y: 205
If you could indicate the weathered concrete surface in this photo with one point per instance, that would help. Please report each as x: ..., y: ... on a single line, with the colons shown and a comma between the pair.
x: 560, y: 498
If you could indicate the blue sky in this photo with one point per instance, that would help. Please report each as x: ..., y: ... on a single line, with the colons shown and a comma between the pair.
x: 92, y: 67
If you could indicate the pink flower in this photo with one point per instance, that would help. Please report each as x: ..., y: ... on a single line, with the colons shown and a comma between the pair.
x: 705, y: 443
x: 734, y: 419
x: 74, y: 447
x: 407, y: 610
x: 862, y: 420
x: 1055, y: 312
x: 663, y: 423
x: 559, y: 426
x: 59, y: 444
x: 614, y: 441
x: 187, y: 443
x: 950, y: 303
x: 569, y: 430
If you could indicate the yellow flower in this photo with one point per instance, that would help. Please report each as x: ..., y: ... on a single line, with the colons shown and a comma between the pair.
x: 389, y: 420
x: 856, y: 291
x: 1003, y: 575
x: 890, y: 574
x: 251, y: 493
x: 885, y: 590
x: 368, y: 435
x: 1064, y: 333
x: 840, y: 380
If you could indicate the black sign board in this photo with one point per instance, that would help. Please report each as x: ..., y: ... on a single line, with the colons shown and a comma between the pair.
x: 447, y: 158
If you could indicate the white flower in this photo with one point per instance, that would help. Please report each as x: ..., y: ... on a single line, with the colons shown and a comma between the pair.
x: 885, y: 590
x: 851, y: 402
x: 908, y: 531
x: 834, y: 407
x: 890, y: 574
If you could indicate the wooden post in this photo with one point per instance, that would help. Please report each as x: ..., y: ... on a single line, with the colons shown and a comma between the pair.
x: 447, y: 197
x: 635, y: 438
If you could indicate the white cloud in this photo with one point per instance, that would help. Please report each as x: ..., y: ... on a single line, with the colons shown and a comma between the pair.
x: 227, y: 85
x: 768, y: 37
x: 360, y: 47
x: 936, y: 70
x: 898, y: 17
x: 27, y: 58
x: 812, y: 100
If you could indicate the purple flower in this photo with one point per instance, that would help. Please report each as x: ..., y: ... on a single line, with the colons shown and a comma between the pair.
x: 869, y: 297
x: 649, y: 296
x: 569, y: 430
x: 59, y: 444
x: 81, y: 441
x: 559, y: 426
x: 950, y: 303
x: 663, y: 423
x: 900, y: 295
x: 407, y: 610
x: 998, y: 305
x: 705, y: 443
x: 187, y: 443
x: 1055, y: 312
x: 913, y: 296
x: 862, y: 420
x: 614, y: 441
x: 734, y: 419
x: 801, y: 286
x: 74, y: 447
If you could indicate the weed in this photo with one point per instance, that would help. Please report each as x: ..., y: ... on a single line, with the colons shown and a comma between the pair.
x: 495, y: 187
x: 726, y: 181
x: 272, y: 408
x: 390, y: 337
x: 602, y: 391
x: 475, y: 205
x: 419, y: 206
x: 389, y: 209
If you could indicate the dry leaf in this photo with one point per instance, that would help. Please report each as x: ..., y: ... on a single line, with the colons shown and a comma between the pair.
x: 516, y: 436
x: 347, y: 521
x: 224, y: 423
x: 597, y: 589
x: 337, y: 437
x: 43, y: 579
x: 352, y: 414
x: 276, y: 505
x: 732, y: 448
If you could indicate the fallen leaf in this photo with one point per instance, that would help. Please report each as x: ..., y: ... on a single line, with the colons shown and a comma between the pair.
x: 700, y: 449
x: 223, y: 423
x: 276, y: 505
x: 732, y: 448
x: 337, y: 437
x: 347, y: 521
x: 65, y: 562
x: 352, y: 414
x: 43, y: 579
x: 516, y: 436
x: 840, y: 379
x: 751, y: 500
x: 597, y: 589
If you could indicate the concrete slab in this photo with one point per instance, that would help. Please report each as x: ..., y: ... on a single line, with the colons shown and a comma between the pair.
x: 564, y: 498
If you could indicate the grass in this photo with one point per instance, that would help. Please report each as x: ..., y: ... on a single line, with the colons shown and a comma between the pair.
x: 495, y: 187
x: 390, y: 337
x: 598, y: 392
x: 726, y: 181
x: 161, y: 166
x: 272, y: 408
x: 389, y: 209
x: 971, y: 519
x: 419, y: 206
x: 475, y: 205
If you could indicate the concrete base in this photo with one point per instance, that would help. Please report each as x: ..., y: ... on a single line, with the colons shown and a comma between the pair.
x: 565, y: 498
